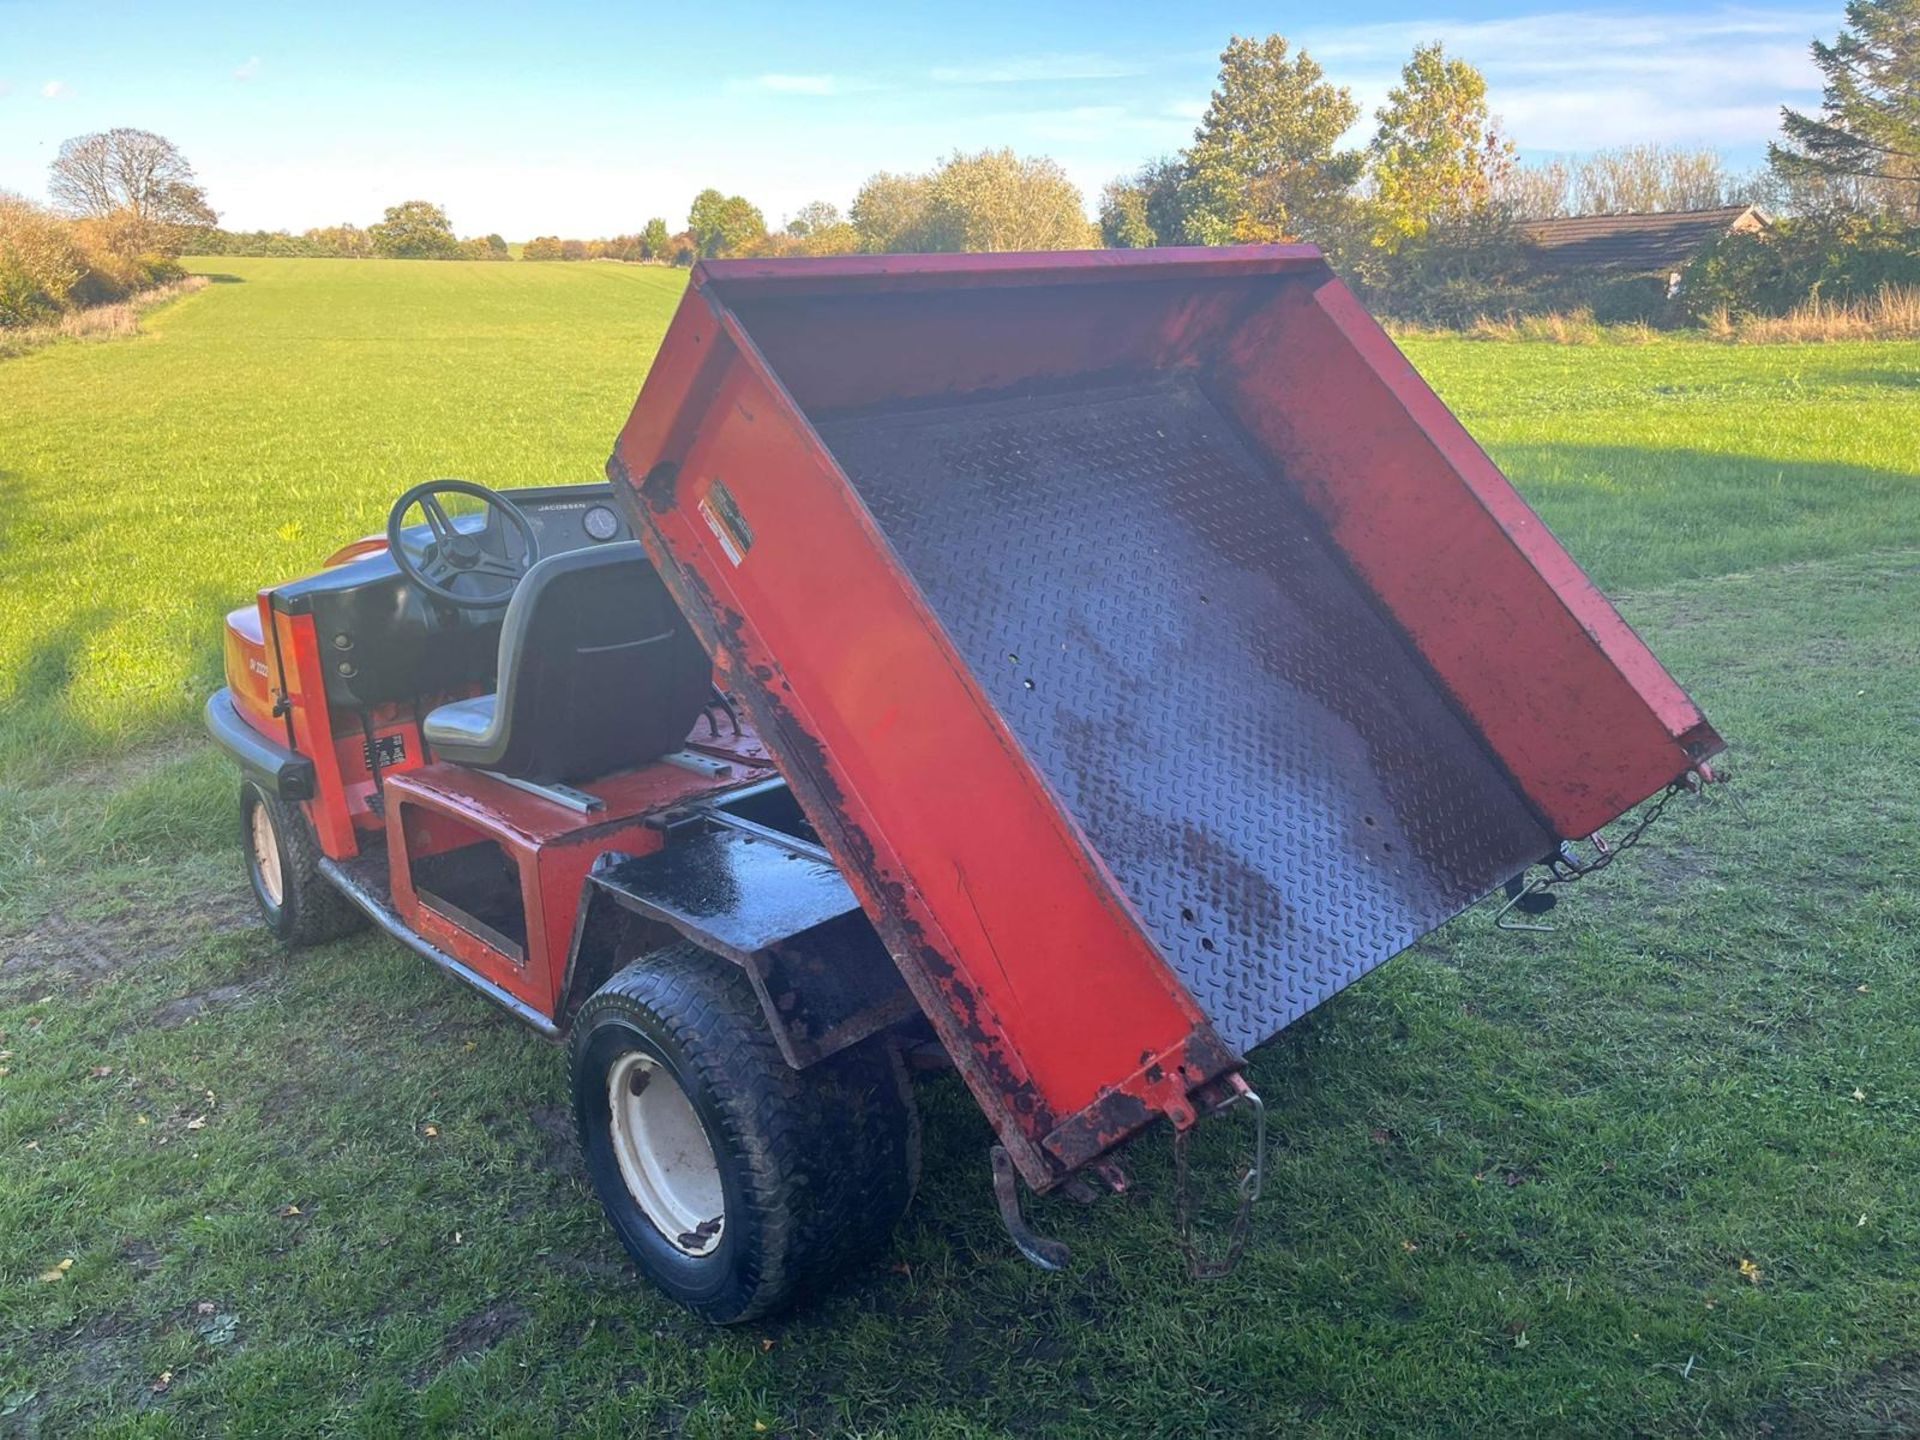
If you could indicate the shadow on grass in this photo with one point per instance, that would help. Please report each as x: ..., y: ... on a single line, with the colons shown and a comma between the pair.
x: 45, y: 734
x: 1893, y: 377
x: 43, y: 728
x: 1637, y: 517
x: 47, y: 670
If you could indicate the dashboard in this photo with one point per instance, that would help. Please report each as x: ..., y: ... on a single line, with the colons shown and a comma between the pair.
x: 570, y: 517
x: 386, y: 643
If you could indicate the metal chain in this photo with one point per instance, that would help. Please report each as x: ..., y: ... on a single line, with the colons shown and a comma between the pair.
x: 1566, y: 867
x: 1566, y: 871
x: 1200, y: 1267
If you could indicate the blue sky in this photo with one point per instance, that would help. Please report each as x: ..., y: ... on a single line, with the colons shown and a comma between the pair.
x: 586, y: 118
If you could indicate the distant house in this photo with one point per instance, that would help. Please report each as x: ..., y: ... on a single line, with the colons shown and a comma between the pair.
x: 1586, y: 249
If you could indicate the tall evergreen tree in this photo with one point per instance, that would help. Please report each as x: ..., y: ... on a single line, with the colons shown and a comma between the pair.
x: 1868, y: 127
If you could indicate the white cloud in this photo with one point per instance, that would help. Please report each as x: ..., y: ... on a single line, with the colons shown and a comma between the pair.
x: 247, y: 68
x: 797, y: 84
x: 55, y: 90
x: 1023, y: 69
x: 6, y: 88
x: 1583, y: 79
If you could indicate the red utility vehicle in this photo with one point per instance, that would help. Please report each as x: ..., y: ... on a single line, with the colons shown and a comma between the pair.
x: 1070, y: 667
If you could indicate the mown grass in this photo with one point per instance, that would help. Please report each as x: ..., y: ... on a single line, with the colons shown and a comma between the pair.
x: 151, y: 484
x: 1684, y: 458
x: 1517, y: 1177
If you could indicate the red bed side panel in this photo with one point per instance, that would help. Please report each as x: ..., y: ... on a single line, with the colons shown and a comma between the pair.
x: 1584, y: 717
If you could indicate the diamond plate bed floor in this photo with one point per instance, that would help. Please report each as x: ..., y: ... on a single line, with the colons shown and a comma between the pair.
x: 1274, y: 777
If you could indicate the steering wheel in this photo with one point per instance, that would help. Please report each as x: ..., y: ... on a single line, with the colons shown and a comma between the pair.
x: 455, y: 554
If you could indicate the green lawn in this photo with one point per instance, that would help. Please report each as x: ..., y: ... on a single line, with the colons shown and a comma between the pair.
x: 1687, y: 459
x: 152, y: 484
x: 1517, y: 1177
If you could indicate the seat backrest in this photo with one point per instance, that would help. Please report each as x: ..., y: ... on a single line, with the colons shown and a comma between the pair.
x: 598, y: 669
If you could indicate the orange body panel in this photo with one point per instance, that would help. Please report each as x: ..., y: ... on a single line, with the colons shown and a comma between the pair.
x: 552, y: 848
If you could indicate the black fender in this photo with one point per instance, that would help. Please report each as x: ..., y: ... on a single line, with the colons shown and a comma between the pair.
x: 270, y: 765
x: 775, y: 907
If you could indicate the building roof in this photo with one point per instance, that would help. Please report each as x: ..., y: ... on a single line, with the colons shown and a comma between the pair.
x: 1635, y: 244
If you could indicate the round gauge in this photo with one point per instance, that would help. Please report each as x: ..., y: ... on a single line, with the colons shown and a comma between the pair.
x: 601, y: 523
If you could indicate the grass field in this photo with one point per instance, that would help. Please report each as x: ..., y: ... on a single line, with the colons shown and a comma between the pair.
x: 1657, y: 1172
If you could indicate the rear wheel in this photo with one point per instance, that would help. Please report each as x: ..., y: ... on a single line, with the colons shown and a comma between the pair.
x: 736, y: 1183
x: 297, y: 902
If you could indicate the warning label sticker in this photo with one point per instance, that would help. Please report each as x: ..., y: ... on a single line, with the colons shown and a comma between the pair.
x: 722, y: 514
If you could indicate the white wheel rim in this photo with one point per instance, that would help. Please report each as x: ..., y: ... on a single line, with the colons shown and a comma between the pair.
x: 266, y: 856
x: 664, y: 1154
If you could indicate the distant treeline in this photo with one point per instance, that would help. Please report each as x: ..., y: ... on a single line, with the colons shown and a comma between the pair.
x: 1428, y: 219
x: 650, y: 245
x: 327, y: 242
x: 412, y: 230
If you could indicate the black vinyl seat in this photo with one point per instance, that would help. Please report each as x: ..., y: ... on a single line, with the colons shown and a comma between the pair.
x: 598, y: 672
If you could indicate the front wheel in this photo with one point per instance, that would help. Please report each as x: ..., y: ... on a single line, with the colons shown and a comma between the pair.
x: 736, y: 1183
x: 299, y: 904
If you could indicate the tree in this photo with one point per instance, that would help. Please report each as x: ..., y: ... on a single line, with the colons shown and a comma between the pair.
x: 1641, y: 178
x: 1144, y: 209
x: 1438, y: 158
x: 348, y: 241
x: 415, y: 230
x: 653, y: 240
x: 1123, y: 217
x: 813, y: 217
x: 836, y: 239
x: 1534, y: 192
x: 1828, y: 197
x: 890, y: 213
x: 39, y: 261
x: 1263, y: 164
x: 995, y: 200
x: 1869, y: 122
x: 133, y: 173
x: 722, y: 223
x: 485, y: 247
x: 998, y: 200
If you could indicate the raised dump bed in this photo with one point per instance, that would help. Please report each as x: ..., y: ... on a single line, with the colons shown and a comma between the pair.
x: 1153, y: 651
